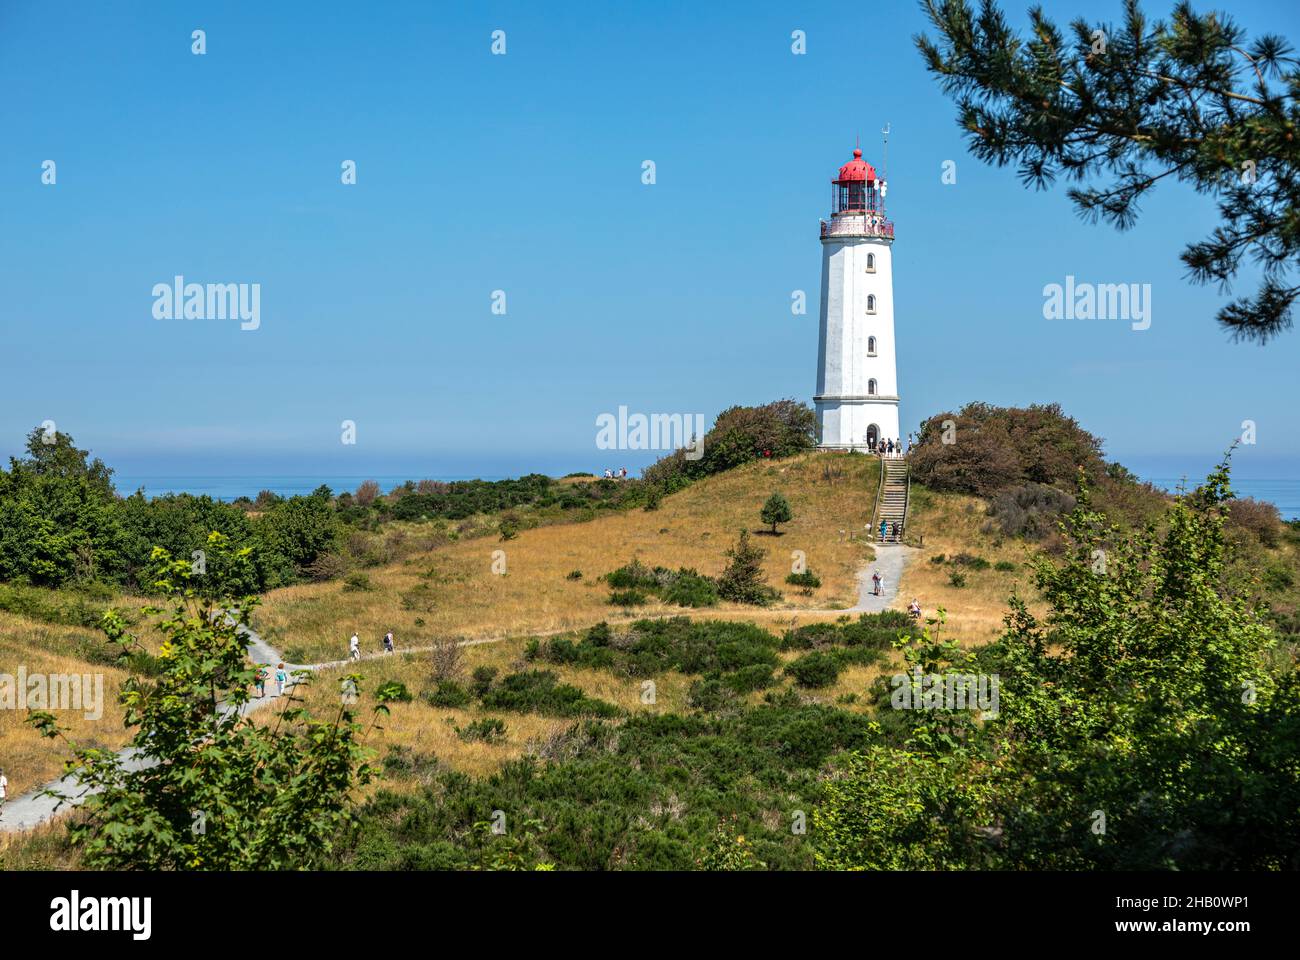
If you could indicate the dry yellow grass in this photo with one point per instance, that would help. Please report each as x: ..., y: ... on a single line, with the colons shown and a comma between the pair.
x: 452, y: 590
x: 949, y: 524
x: 28, y: 759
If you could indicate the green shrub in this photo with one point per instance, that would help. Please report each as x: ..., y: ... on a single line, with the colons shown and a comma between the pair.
x: 356, y: 581
x: 957, y: 579
x: 807, y: 579
x: 686, y: 588
x: 815, y: 669
x: 394, y: 690
x: 539, y: 691
x: 482, y: 679
x: 573, y: 575
x: 1006, y: 566
x: 448, y: 694
x: 485, y: 730
x: 628, y: 598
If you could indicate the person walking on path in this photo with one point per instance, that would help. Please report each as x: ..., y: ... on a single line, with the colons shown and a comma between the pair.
x: 261, y: 679
x: 4, y: 787
x: 875, y: 582
x: 388, y: 642
x: 883, y: 529
x: 280, y: 679
x: 354, y: 647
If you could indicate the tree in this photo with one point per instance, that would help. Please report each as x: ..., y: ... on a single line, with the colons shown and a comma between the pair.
x: 1129, y: 106
x: 58, y: 515
x: 215, y: 791
x: 983, y: 449
x: 776, y: 510
x: 739, y: 435
x: 743, y: 581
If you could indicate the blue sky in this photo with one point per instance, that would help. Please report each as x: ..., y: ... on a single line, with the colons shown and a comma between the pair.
x: 522, y: 173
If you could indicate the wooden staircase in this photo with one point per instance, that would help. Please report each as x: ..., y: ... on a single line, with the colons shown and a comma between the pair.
x: 891, y: 501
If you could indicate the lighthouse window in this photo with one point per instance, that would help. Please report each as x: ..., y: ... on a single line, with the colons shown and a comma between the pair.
x: 871, y: 303
x: 871, y: 263
x: 871, y: 388
x: 871, y: 346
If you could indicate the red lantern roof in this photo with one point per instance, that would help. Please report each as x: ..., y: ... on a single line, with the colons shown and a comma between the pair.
x: 856, y: 169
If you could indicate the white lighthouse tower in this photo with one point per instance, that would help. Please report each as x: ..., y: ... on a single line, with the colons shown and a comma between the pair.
x: 857, y: 380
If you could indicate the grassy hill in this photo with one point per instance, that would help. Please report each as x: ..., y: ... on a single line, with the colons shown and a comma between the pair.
x: 452, y: 591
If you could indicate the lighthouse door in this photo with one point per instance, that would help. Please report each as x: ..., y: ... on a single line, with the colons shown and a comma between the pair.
x: 873, y: 436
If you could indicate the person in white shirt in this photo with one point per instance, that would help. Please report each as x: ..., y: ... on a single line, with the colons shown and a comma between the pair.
x: 354, y: 647
x: 4, y: 787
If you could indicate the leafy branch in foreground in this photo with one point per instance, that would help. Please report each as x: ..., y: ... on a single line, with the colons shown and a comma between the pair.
x: 1190, y: 99
x: 202, y: 786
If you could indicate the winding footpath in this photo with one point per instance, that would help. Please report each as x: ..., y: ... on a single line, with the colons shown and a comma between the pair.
x: 37, y: 807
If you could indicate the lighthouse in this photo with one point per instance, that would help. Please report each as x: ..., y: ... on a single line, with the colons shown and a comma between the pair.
x: 857, y: 380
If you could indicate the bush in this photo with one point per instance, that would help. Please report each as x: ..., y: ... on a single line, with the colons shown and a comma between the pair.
x: 395, y: 691
x: 970, y: 561
x: 996, y: 448
x: 447, y: 660
x: 573, y: 575
x: 806, y: 579
x: 686, y: 588
x: 814, y: 669
x: 357, y: 581
x: 448, y: 694
x: 539, y: 691
x: 486, y: 730
x: 1006, y: 566
x: 957, y: 579
x: 628, y: 598
x: 482, y: 680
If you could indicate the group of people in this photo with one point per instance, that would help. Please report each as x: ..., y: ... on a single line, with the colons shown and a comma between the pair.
x: 354, y: 645
x: 619, y: 474
x: 263, y: 675
x: 886, y: 448
x: 890, y: 531
x: 878, y: 587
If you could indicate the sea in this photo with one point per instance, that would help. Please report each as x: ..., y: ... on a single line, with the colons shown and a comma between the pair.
x: 1283, y: 492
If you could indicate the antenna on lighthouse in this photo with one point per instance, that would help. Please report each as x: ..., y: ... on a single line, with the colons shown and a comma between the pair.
x: 884, y: 166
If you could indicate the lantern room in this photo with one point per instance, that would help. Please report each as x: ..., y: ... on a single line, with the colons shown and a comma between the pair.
x: 857, y: 190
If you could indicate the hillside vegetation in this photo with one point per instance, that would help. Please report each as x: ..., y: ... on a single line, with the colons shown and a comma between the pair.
x: 613, y: 710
